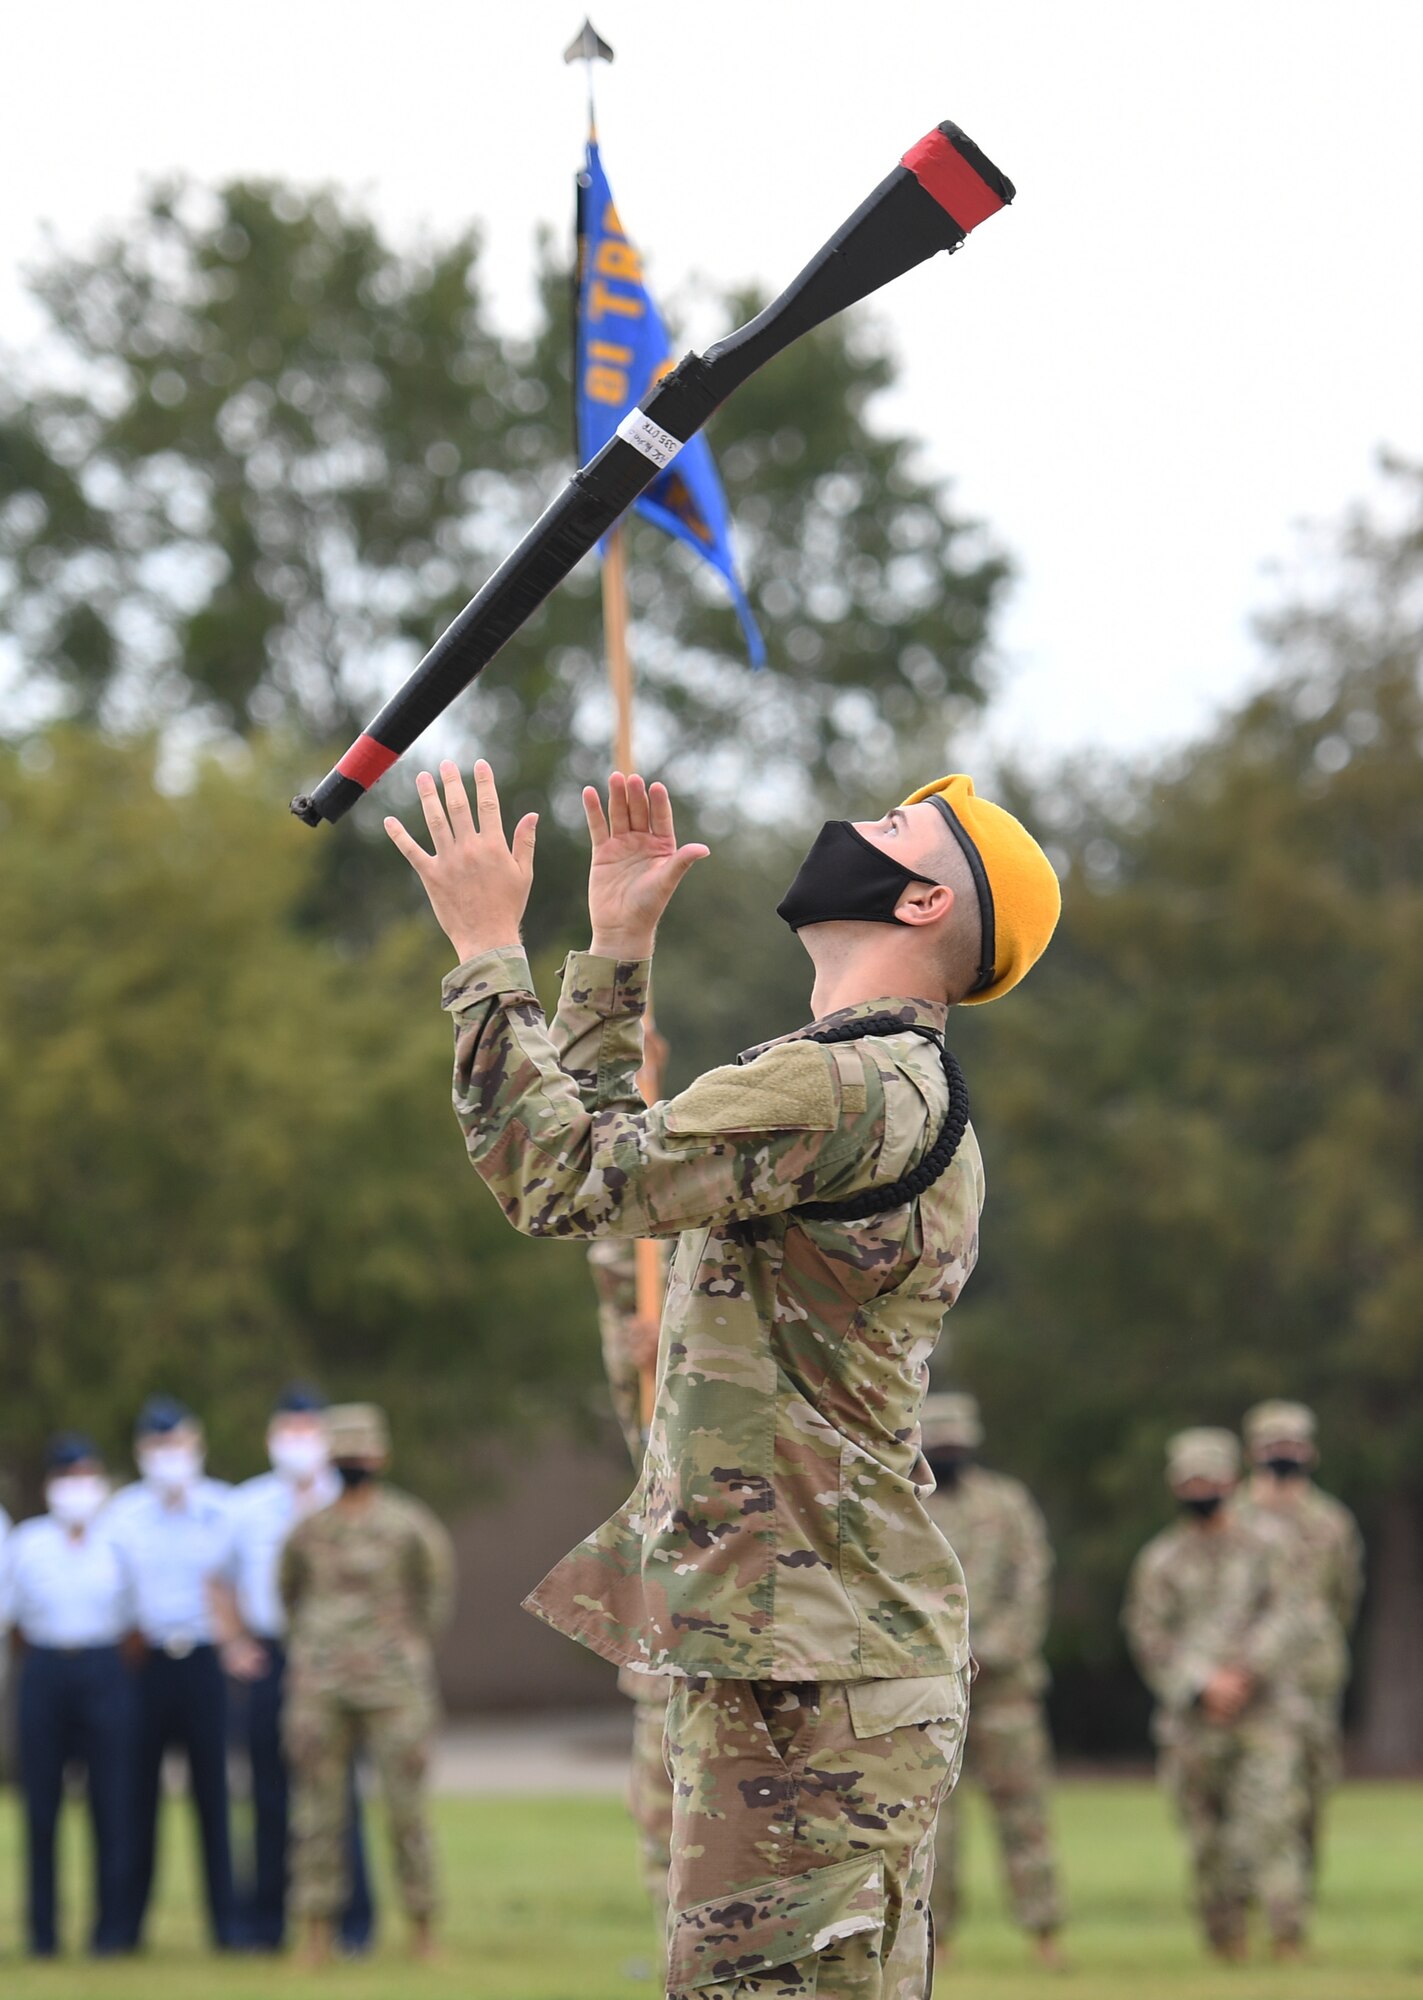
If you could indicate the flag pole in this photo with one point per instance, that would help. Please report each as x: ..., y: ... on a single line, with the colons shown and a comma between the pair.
x: 647, y: 1251
x: 588, y: 47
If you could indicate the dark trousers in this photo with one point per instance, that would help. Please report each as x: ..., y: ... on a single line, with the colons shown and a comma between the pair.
x: 262, y: 1900
x: 76, y: 1708
x: 183, y: 1703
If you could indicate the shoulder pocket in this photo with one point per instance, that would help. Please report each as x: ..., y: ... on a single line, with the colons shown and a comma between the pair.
x: 788, y: 1089
x: 786, y: 1921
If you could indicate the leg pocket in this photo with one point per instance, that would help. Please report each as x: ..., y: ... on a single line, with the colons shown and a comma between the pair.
x: 774, y: 1925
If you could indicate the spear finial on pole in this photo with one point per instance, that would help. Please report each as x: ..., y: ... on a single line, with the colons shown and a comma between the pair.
x: 589, y: 47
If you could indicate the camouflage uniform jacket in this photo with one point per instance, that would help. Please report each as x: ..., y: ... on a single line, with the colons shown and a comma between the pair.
x: 994, y: 1528
x: 1203, y: 1598
x: 778, y: 1531
x: 1327, y: 1572
x: 365, y: 1593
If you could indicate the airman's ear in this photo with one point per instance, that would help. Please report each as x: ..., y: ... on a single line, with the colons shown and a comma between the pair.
x: 924, y: 903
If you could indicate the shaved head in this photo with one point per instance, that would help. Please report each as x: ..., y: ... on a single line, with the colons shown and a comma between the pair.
x: 919, y: 838
x: 961, y: 946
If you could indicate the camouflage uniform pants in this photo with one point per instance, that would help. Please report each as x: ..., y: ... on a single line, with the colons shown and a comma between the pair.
x: 1240, y: 1794
x: 322, y: 1733
x: 1321, y: 1759
x: 1009, y: 1753
x: 803, y: 1835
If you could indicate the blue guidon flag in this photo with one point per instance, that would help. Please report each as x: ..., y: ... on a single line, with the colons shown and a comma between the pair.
x: 621, y: 350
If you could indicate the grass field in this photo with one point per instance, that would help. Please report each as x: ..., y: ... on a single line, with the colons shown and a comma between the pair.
x: 543, y: 1904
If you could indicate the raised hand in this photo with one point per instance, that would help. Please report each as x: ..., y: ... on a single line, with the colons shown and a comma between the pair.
x: 478, y: 884
x: 636, y: 864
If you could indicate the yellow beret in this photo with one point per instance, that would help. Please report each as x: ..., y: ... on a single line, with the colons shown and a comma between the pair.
x: 1019, y: 900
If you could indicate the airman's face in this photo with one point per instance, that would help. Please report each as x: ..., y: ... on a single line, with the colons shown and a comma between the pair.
x: 910, y: 835
x: 1203, y: 1489
x: 1293, y: 1449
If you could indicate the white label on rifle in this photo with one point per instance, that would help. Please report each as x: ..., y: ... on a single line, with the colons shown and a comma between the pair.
x: 649, y: 438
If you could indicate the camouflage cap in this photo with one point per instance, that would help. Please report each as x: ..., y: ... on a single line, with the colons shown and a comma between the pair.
x: 1279, y: 1423
x: 951, y: 1417
x: 357, y: 1430
x: 1202, y: 1453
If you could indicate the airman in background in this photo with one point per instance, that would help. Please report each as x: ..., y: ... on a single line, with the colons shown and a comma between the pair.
x: 67, y: 1596
x: 1326, y: 1571
x: 629, y: 1347
x: 365, y: 1585
x: 998, y: 1535
x: 174, y: 1526
x: 1213, y: 1624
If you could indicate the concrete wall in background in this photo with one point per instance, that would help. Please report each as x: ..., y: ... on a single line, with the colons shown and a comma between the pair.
x: 495, y: 1655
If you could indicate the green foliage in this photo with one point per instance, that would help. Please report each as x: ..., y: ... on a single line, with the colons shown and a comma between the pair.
x: 1201, y: 1115
x: 229, y: 1157
x: 267, y: 455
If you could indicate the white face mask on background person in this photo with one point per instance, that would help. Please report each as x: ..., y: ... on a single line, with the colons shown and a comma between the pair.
x: 297, y: 1454
x: 172, y: 1468
x: 74, y: 1498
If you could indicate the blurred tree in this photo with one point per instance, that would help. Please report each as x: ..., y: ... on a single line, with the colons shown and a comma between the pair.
x: 228, y: 1157
x: 259, y: 459
x: 264, y: 455
x: 1201, y: 1117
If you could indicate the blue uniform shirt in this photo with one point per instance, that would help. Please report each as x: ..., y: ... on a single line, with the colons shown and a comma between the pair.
x: 63, y: 1589
x: 174, y: 1550
x: 264, y: 1512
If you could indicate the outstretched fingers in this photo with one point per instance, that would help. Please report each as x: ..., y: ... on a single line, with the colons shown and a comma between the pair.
x: 409, y: 847
x: 457, y: 805
x: 491, y: 819
x: 595, y: 816
x: 434, y: 812
x: 638, y: 816
x: 525, y: 834
x: 682, y: 860
x: 659, y: 812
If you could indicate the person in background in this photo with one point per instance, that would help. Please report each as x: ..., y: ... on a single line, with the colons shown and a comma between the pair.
x: 366, y: 1584
x: 1213, y: 1624
x: 253, y: 1629
x: 174, y: 1528
x: 998, y: 1535
x: 65, y: 1593
x: 630, y: 1347
x: 1327, y: 1571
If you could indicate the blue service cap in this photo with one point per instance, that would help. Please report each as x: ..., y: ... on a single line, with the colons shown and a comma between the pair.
x: 160, y: 1414
x: 299, y: 1399
x: 68, y: 1448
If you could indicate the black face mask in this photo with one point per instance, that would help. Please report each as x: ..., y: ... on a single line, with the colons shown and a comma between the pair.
x: 845, y: 879
x: 1205, y: 1506
x: 1286, y: 1468
x: 947, y: 1464
x: 354, y: 1475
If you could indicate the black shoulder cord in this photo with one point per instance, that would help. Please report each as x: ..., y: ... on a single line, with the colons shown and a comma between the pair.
x: 876, y: 1201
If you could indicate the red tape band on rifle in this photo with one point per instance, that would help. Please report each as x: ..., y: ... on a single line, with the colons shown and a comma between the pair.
x: 942, y: 171
x: 367, y: 760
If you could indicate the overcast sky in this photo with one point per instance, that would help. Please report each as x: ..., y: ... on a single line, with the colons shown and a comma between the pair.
x: 1193, y: 330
